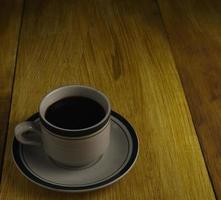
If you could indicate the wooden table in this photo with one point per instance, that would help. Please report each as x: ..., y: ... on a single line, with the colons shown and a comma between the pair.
x: 141, y: 54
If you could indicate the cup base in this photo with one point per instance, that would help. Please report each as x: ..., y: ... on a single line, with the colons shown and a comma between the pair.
x: 74, y: 167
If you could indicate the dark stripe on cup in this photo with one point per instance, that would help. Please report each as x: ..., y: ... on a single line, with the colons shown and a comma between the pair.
x: 73, y: 133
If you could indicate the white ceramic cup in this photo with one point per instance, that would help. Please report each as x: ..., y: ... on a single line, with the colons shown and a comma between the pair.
x: 69, y: 147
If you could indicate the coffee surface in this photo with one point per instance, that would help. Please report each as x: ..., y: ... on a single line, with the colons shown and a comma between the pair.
x: 75, y: 113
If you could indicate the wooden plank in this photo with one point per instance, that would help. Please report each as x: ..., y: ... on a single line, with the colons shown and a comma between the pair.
x: 194, y: 30
x: 10, y: 17
x: 119, y: 47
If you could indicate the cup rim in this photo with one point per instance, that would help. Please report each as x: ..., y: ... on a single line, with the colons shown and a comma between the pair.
x: 75, y: 132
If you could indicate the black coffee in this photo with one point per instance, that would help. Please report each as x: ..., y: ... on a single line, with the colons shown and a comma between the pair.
x: 75, y: 113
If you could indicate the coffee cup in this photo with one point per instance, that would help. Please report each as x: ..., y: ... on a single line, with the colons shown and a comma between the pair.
x: 74, y: 126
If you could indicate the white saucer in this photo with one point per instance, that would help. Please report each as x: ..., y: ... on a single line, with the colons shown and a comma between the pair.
x: 115, y: 163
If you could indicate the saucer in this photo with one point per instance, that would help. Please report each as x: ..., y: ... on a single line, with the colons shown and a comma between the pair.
x: 119, y: 158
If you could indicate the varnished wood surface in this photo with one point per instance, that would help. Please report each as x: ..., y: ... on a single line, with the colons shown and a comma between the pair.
x: 194, y: 30
x: 10, y: 16
x: 121, y: 48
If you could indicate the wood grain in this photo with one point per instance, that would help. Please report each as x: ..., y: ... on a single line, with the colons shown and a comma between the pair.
x: 119, y: 47
x: 10, y: 17
x: 194, y: 30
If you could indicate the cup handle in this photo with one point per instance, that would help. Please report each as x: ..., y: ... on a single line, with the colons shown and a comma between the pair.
x: 27, y: 133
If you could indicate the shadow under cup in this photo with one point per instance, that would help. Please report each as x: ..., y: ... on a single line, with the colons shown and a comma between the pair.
x: 75, y: 147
